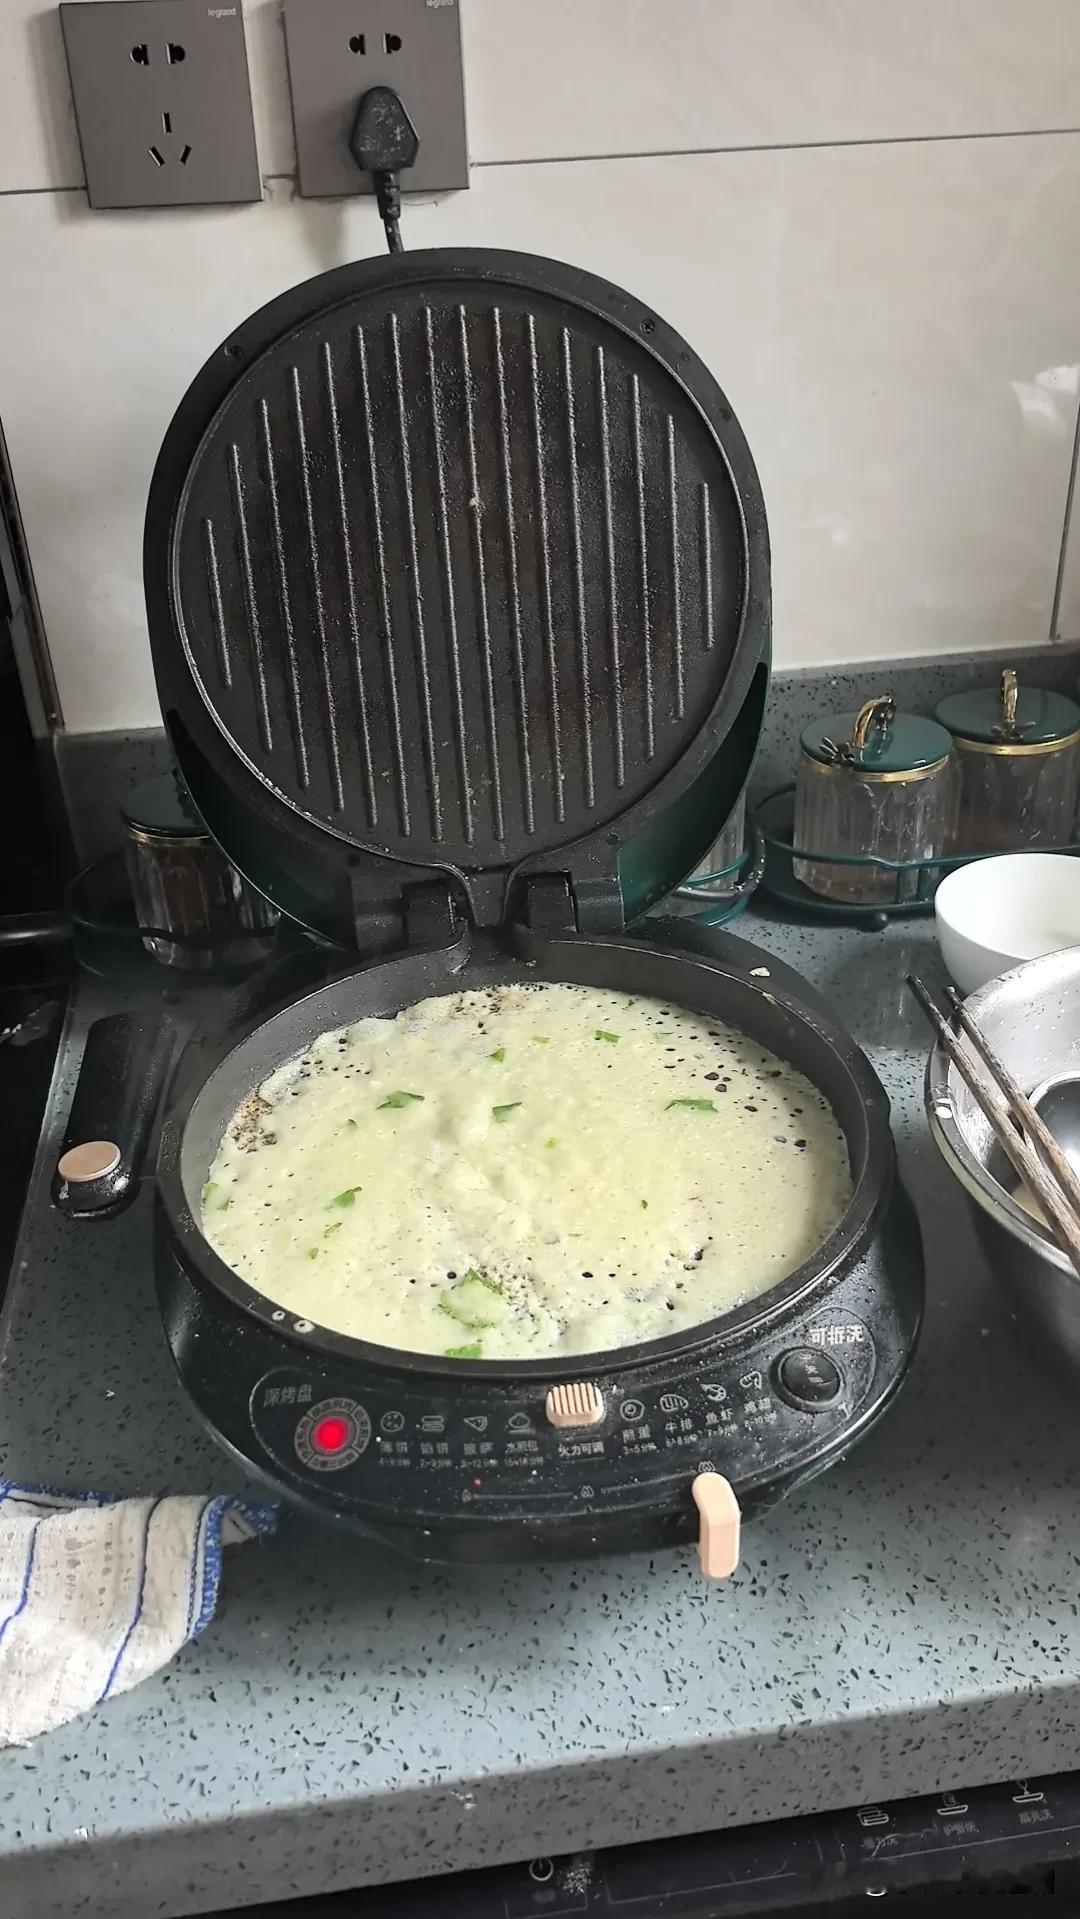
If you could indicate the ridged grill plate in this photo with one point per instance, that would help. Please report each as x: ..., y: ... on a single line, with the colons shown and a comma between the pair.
x: 458, y: 564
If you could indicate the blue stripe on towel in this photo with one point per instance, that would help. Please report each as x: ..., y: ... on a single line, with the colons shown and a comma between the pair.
x: 50, y: 1496
x: 27, y: 1576
x: 258, y: 1515
x: 211, y: 1571
x: 126, y: 1641
x: 195, y: 1551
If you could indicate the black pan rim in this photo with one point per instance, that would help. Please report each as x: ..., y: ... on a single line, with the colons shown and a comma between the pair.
x: 849, y: 1239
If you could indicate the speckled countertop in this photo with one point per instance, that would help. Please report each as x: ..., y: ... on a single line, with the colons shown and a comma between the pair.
x: 909, y: 1622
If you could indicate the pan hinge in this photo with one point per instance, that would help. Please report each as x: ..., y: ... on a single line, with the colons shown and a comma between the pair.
x: 556, y: 904
x: 549, y: 904
x: 433, y: 916
x: 387, y: 917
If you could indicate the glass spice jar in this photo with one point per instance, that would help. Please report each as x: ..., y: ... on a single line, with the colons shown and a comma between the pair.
x: 874, y: 783
x: 725, y: 856
x: 1018, y: 750
x: 184, y: 886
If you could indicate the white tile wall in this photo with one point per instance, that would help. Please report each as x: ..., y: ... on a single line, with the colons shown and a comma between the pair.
x: 565, y: 78
x: 630, y: 76
x: 896, y: 321
x: 898, y: 328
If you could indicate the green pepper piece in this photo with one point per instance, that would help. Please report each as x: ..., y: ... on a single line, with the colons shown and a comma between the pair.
x: 475, y: 1302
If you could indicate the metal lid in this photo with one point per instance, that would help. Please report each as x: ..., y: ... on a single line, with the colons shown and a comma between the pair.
x: 161, y: 809
x: 455, y: 563
x: 877, y: 740
x: 1010, y: 714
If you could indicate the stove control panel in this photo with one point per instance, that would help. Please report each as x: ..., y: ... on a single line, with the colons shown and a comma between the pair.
x: 481, y: 1447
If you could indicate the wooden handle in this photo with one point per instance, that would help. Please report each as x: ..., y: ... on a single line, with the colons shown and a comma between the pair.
x: 721, y: 1520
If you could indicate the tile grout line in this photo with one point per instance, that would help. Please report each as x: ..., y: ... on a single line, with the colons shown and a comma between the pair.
x: 673, y: 153
x: 1059, y: 583
x: 785, y: 146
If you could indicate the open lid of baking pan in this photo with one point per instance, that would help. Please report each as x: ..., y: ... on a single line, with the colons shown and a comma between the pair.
x: 456, y: 564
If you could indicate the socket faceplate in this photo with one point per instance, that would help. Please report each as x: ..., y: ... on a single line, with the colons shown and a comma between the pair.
x: 338, y: 49
x: 163, y: 102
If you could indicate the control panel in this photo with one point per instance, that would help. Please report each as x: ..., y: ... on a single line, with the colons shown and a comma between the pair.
x: 1014, y: 1838
x: 482, y: 1445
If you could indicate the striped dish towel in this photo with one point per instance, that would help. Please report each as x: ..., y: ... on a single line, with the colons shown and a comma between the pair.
x: 97, y: 1593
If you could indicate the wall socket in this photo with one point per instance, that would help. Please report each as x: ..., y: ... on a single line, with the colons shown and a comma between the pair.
x: 162, y: 101
x: 338, y: 49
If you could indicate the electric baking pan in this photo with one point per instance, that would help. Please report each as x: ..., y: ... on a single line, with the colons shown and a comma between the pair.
x: 457, y: 575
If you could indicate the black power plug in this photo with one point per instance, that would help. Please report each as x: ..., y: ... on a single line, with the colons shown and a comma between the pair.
x: 384, y: 142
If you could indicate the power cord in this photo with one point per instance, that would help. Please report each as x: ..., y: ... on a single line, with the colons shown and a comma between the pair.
x: 384, y: 142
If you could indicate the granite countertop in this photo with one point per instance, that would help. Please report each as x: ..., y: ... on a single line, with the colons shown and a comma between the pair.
x: 906, y: 1623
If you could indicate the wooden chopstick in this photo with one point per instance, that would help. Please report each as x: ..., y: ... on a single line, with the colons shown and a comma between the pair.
x: 990, y: 1098
x: 1041, y: 1136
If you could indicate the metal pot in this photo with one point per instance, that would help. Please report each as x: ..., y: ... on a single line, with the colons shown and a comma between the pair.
x: 1031, y: 1016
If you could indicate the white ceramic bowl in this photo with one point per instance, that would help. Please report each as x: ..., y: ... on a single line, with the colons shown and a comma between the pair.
x: 995, y: 913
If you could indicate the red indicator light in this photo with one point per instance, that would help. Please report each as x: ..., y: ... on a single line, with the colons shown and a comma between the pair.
x: 332, y: 1434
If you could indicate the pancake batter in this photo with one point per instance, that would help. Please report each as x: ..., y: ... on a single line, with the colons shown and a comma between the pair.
x: 524, y: 1172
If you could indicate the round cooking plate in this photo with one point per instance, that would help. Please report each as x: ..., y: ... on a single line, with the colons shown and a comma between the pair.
x: 218, y: 1081
x: 456, y: 559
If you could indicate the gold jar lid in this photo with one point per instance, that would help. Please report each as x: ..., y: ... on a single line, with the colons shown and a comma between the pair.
x: 1010, y: 720
x: 876, y: 744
